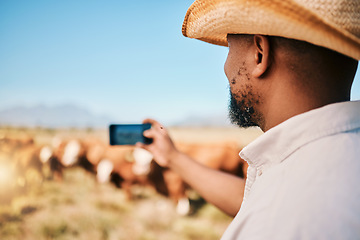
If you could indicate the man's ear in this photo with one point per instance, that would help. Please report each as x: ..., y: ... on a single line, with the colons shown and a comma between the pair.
x: 262, y: 55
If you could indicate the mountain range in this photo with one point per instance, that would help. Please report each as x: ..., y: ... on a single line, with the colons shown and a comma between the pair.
x: 69, y: 115
x: 66, y: 115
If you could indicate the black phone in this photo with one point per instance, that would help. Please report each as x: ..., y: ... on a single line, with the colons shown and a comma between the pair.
x: 128, y: 134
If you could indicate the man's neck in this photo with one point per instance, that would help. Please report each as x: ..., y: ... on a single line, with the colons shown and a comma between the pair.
x: 285, y: 102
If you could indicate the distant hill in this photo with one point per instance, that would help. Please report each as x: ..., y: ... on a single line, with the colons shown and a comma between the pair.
x: 69, y: 115
x: 66, y: 115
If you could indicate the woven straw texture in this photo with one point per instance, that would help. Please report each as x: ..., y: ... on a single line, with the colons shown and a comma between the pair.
x: 334, y: 24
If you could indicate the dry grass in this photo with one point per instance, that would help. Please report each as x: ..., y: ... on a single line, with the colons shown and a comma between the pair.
x: 80, y: 208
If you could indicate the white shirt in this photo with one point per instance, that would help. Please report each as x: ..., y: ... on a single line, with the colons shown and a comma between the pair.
x: 303, y: 179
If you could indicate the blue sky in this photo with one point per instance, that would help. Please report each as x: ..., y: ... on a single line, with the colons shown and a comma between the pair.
x: 125, y: 59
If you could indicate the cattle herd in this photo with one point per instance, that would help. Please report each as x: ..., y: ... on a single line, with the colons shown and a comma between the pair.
x: 25, y: 163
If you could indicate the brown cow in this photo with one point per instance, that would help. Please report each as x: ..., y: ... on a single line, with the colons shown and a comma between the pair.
x: 94, y: 151
x: 222, y: 156
x: 75, y: 152
x: 118, y: 166
x: 26, y: 158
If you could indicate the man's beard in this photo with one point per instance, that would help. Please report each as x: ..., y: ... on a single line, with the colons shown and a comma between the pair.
x: 242, y: 112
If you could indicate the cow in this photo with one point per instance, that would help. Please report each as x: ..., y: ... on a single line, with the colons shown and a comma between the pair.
x: 25, y: 158
x: 74, y: 152
x: 223, y: 156
x: 118, y: 166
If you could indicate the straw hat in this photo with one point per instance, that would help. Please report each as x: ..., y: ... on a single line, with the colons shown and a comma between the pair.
x: 334, y: 24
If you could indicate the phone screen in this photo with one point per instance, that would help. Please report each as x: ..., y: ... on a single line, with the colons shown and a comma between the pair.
x: 128, y: 134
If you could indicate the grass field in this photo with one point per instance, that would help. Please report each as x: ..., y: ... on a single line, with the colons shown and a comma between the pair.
x: 80, y: 208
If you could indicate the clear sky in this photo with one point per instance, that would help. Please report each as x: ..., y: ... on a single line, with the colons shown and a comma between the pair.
x: 124, y: 59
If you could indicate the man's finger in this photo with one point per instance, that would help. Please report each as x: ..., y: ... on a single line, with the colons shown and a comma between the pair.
x: 153, y: 123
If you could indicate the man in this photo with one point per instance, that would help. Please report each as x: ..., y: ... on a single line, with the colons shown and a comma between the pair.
x: 290, y: 66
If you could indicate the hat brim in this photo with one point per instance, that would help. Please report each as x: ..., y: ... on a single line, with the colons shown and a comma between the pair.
x: 212, y: 21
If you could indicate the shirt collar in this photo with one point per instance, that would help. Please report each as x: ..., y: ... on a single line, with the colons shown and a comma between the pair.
x: 282, y: 140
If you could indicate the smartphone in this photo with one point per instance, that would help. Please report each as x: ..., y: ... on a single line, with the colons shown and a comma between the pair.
x: 128, y: 134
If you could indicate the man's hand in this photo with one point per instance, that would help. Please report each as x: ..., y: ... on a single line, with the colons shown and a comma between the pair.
x: 162, y: 146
